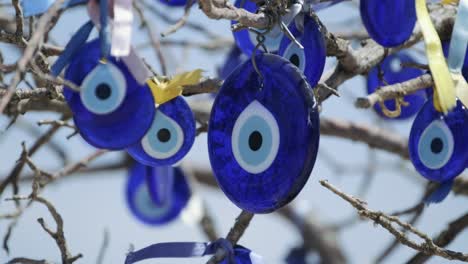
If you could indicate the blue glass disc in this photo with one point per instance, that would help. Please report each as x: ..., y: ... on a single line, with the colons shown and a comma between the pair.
x: 437, y: 143
x: 263, y: 140
x: 141, y: 203
x: 388, y: 22
x: 311, y: 60
x: 246, y: 40
x: 121, y: 127
x: 170, y: 136
x: 394, y: 73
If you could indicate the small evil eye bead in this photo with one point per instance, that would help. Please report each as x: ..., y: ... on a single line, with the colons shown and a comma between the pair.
x: 145, y: 184
x: 111, y: 111
x: 311, y: 59
x: 437, y: 142
x: 389, y: 22
x: 393, y: 73
x: 263, y: 134
x: 170, y: 136
x: 246, y: 40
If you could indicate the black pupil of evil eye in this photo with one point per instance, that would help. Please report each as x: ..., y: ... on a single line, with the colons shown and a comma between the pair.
x: 164, y: 135
x: 437, y: 145
x: 294, y: 59
x: 255, y: 141
x: 103, y: 91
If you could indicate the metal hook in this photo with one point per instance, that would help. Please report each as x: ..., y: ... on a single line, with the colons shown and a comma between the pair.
x: 260, y: 43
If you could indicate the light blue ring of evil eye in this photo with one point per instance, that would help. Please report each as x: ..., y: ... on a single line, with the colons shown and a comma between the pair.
x: 146, y: 206
x: 437, y: 129
x: 255, y: 123
x: 103, y: 74
x: 162, y: 150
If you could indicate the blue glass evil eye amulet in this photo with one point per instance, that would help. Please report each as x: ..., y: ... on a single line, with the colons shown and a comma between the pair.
x: 156, y: 195
x: 393, y: 73
x: 388, y: 22
x: 111, y: 111
x: 247, y: 40
x: 263, y: 134
x: 437, y: 142
x: 170, y: 136
x: 311, y: 59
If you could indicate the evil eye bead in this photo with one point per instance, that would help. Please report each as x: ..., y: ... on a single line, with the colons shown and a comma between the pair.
x: 263, y: 134
x: 103, y: 89
x: 389, y: 22
x: 170, y: 137
x: 246, y: 40
x: 111, y: 111
x: 144, y: 185
x: 311, y: 59
x: 437, y: 143
x: 393, y: 73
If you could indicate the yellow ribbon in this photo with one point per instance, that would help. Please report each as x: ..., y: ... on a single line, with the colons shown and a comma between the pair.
x: 444, y: 94
x: 167, y: 89
x: 450, y: 2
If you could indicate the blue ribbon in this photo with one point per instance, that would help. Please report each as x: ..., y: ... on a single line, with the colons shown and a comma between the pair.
x: 104, y: 32
x: 459, y: 41
x: 37, y: 7
x: 182, y: 250
x: 72, y: 47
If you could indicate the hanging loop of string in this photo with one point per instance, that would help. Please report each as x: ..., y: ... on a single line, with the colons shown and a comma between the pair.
x: 399, y: 102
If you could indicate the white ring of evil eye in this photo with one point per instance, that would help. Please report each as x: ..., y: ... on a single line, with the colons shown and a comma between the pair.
x: 437, y: 129
x: 293, y: 49
x: 155, y: 147
x: 115, y: 84
x: 255, y: 118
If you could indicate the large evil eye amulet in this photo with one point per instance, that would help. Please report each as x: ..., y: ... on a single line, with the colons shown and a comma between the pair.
x: 156, y: 195
x: 311, y: 59
x: 263, y: 134
x: 393, y: 73
x: 388, y: 22
x: 111, y: 110
x: 437, y: 142
x: 170, y: 136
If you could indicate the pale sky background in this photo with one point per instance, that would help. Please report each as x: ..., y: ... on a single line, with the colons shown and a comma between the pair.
x: 89, y: 205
